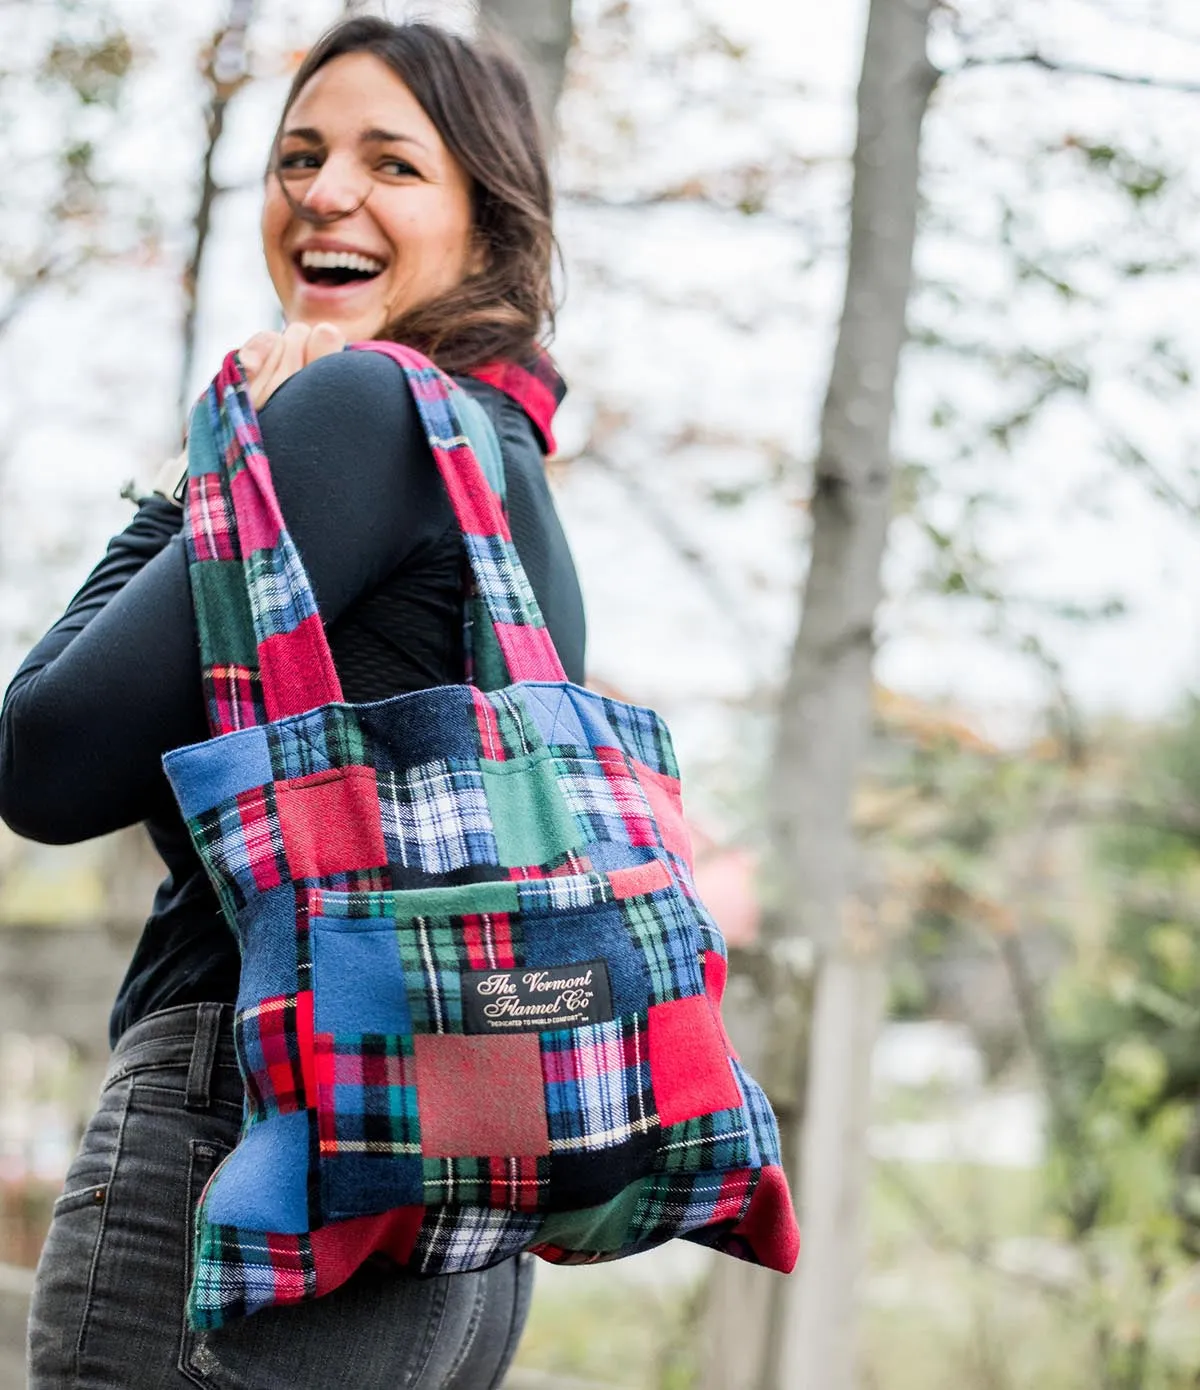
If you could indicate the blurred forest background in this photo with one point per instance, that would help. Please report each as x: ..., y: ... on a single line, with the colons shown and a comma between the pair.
x: 882, y: 470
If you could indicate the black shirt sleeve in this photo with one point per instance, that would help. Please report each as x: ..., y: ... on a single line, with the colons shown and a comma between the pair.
x: 116, y: 682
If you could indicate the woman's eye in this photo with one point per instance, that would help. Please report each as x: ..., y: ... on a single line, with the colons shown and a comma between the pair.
x: 298, y: 161
x: 397, y: 167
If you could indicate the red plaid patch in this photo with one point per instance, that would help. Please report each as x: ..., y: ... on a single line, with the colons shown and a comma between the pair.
x: 491, y: 743
x: 488, y: 939
x: 209, y: 519
x: 261, y: 838
x: 516, y: 1183
x: 631, y: 802
x: 237, y: 695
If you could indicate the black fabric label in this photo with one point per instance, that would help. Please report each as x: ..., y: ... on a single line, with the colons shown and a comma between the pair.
x: 534, y: 1000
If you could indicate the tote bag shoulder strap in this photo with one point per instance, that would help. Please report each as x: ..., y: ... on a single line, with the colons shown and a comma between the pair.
x: 264, y: 654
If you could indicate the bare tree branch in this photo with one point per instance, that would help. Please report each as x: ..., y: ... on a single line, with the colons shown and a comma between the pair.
x: 226, y: 70
x: 1069, y: 69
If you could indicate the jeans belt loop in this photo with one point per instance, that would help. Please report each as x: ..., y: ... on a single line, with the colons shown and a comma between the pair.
x: 204, y: 1057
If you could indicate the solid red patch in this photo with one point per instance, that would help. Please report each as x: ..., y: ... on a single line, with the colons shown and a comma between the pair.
x: 689, y: 1069
x: 663, y: 795
x: 641, y: 878
x: 769, y: 1227
x: 330, y: 822
x: 339, y: 1249
x: 297, y: 670
x: 716, y: 971
x: 480, y: 1096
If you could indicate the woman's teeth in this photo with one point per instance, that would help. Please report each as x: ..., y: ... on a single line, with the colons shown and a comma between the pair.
x: 338, y: 267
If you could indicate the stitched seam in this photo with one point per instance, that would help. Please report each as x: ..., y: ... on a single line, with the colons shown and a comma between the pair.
x: 187, y: 1338
x: 468, y: 1342
x: 431, y: 1336
x: 104, y: 1210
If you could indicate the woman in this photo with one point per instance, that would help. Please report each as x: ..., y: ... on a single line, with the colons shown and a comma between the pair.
x: 407, y: 198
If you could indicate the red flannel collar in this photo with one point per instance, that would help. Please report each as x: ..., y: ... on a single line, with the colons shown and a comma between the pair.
x: 536, y: 387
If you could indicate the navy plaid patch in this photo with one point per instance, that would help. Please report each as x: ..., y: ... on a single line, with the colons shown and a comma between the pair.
x: 672, y: 1203
x: 436, y: 818
x: 643, y: 735
x: 764, y: 1132
x: 663, y: 928
x: 598, y: 1091
x: 455, y: 1239
x: 279, y: 593
x: 327, y: 738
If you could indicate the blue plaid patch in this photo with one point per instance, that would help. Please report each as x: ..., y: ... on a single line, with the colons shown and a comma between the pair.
x: 279, y: 600
x: 463, y: 1238
x: 662, y: 928
x: 502, y: 580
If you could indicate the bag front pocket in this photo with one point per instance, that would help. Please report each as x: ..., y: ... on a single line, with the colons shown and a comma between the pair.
x: 483, y: 1044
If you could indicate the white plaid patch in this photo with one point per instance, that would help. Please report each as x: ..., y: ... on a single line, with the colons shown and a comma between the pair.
x: 436, y: 817
x: 464, y: 1238
x: 561, y: 892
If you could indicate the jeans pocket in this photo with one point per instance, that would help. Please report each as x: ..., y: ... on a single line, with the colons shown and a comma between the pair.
x: 195, y: 1360
x: 66, y: 1272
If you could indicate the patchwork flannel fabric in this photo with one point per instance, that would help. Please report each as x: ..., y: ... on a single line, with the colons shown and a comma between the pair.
x: 479, y: 1008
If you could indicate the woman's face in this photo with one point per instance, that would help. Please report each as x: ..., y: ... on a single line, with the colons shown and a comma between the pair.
x: 358, y: 150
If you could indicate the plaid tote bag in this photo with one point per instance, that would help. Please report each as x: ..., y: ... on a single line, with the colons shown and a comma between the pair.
x: 479, y: 1009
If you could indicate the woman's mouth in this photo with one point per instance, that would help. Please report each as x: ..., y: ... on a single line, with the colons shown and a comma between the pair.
x: 334, y: 269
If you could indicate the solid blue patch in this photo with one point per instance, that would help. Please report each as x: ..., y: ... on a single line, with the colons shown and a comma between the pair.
x: 553, y: 713
x: 563, y: 938
x: 263, y: 1184
x: 201, y: 448
x: 206, y: 774
x: 592, y: 715
x: 267, y: 925
x: 367, y: 1184
x: 358, y: 981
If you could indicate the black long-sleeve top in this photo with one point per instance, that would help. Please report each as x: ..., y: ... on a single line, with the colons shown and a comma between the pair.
x: 115, y: 683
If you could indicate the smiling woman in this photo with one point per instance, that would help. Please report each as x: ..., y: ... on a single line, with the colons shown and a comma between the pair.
x: 358, y: 153
x: 407, y: 198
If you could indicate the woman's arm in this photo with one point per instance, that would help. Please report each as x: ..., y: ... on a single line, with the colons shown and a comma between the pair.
x: 116, y: 682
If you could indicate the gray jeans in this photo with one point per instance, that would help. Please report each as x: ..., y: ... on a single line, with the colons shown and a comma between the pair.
x: 108, y: 1300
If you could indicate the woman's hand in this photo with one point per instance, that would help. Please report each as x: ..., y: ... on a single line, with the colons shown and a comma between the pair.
x: 268, y: 359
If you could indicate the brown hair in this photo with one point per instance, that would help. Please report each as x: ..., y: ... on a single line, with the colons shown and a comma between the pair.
x: 479, y: 100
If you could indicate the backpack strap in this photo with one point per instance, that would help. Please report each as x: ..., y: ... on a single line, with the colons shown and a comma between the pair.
x: 264, y: 653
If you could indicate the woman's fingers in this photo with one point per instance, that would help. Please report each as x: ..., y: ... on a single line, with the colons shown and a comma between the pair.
x: 255, y: 351
x: 324, y: 340
x: 268, y: 359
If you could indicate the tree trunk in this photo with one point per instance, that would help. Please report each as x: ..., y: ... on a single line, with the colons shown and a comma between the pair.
x: 824, y: 719
x: 541, y: 31
x: 226, y: 68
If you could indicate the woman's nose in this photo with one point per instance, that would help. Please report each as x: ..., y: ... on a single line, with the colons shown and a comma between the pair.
x: 339, y: 188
